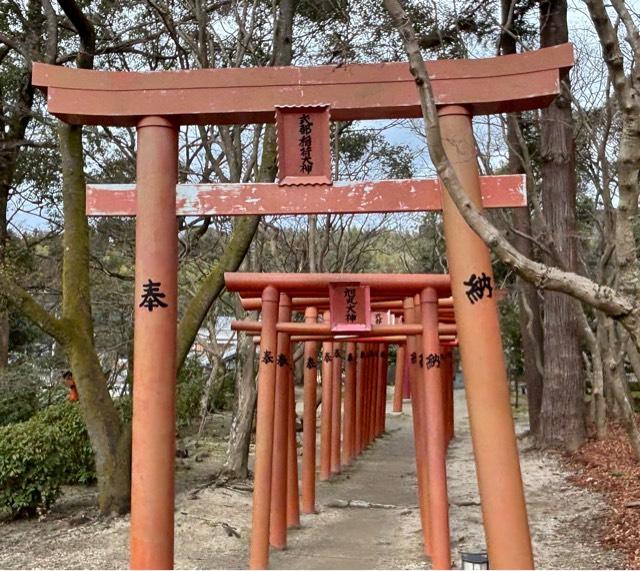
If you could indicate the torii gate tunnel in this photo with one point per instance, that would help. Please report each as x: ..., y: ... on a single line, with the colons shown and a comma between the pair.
x: 302, y: 100
x: 348, y: 317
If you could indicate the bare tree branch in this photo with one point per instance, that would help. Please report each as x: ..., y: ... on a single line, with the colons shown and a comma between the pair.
x: 85, y: 30
x: 52, y: 32
x: 15, y: 45
x: 27, y: 304
x: 633, y: 37
x: 601, y: 297
x: 611, y: 51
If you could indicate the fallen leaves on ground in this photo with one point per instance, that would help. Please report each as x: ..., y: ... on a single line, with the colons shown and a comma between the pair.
x: 608, y: 466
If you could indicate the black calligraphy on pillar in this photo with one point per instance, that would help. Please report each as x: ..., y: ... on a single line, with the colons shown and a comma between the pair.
x: 305, y: 128
x: 477, y: 286
x: 152, y: 296
x: 433, y: 360
x: 283, y: 360
x: 421, y: 360
x: 328, y: 357
x: 378, y: 318
x: 311, y: 363
x: 414, y: 358
x: 338, y: 354
x: 267, y: 357
x: 350, y: 357
x: 352, y: 303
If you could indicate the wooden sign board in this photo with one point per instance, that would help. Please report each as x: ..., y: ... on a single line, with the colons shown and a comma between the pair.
x: 304, y: 145
x: 350, y: 306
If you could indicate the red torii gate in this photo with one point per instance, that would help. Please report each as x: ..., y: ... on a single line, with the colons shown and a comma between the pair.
x: 158, y: 103
x: 423, y: 298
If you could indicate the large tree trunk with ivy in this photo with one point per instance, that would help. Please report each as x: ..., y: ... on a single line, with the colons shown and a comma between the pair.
x: 562, y: 416
x: 110, y: 438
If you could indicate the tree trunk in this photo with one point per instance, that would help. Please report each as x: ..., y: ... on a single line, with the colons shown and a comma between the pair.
x: 531, y: 334
x: 110, y: 438
x: 530, y: 317
x: 245, y: 392
x: 614, y: 370
x: 313, y: 242
x: 562, y: 412
x: 634, y: 358
x: 6, y: 177
x: 603, y: 342
x: 15, y: 120
x: 206, y: 392
x: 598, y: 404
x: 237, y: 463
x: 627, y: 415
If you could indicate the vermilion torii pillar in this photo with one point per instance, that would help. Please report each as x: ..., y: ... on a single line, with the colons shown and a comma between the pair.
x: 264, y: 428
x: 166, y: 100
x: 435, y: 433
x: 336, y: 408
x: 310, y: 368
x: 278, y: 528
x: 152, y: 491
x: 487, y: 387
x: 327, y: 401
x: 349, y: 423
x: 399, y: 379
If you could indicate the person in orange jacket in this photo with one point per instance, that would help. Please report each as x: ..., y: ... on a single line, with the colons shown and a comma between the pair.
x: 69, y: 382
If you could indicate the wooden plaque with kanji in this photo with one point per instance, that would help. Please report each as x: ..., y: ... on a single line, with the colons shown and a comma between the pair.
x: 304, y: 145
x: 350, y: 305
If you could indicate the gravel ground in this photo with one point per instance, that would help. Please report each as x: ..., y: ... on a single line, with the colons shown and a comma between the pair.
x: 565, y: 520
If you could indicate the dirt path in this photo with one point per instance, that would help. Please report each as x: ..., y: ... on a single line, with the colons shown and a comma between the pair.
x: 565, y: 520
x: 361, y: 537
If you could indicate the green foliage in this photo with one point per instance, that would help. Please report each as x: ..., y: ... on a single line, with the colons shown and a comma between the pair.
x: 191, y: 385
x: 28, y: 386
x: 17, y: 404
x: 191, y: 382
x: 365, y: 153
x: 40, y: 455
x: 124, y: 405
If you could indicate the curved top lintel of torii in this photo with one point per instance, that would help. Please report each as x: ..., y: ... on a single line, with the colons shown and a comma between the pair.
x: 501, y: 84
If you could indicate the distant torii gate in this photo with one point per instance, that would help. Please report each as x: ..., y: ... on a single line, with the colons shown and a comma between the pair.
x: 423, y: 300
x: 158, y: 103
